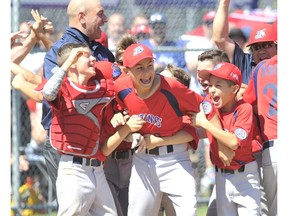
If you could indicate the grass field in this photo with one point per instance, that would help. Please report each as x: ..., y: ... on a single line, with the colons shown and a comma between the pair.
x: 201, y: 210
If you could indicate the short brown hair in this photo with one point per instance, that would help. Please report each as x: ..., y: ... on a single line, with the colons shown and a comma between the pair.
x: 215, y: 55
x: 180, y: 74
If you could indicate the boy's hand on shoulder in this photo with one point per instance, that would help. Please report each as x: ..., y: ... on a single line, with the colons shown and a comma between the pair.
x: 198, y: 119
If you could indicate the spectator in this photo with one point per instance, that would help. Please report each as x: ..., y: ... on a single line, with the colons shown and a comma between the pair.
x: 158, y: 25
x: 140, y: 27
x: 115, y: 29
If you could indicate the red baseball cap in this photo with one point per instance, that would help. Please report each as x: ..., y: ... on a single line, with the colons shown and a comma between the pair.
x: 260, y: 34
x: 275, y: 30
x: 136, y: 53
x: 224, y: 70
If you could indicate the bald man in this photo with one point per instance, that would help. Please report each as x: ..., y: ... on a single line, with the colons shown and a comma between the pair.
x: 86, y: 17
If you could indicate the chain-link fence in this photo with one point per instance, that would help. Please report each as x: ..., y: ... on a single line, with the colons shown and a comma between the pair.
x: 30, y: 181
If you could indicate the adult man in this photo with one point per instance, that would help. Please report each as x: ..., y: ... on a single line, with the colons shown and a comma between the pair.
x: 85, y: 19
x: 259, y: 37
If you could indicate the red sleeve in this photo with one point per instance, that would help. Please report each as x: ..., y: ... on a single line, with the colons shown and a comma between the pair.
x: 191, y: 130
x: 243, y: 126
x: 250, y: 94
x: 119, y: 85
x: 189, y: 100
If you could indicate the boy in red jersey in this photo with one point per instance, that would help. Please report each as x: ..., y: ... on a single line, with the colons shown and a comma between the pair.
x: 164, y: 167
x: 262, y: 92
x: 237, y: 184
x: 80, y: 105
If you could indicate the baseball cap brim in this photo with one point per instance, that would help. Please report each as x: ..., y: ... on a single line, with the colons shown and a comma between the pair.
x: 136, y: 60
x: 203, y: 74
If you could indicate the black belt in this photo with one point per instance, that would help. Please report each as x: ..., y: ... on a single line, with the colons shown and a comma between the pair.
x: 122, y: 154
x: 155, y: 151
x: 268, y: 144
x: 222, y: 170
x: 89, y: 161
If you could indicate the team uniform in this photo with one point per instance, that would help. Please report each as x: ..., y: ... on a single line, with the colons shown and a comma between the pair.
x: 76, y: 133
x: 165, y: 169
x: 101, y: 53
x: 262, y: 91
x: 237, y: 185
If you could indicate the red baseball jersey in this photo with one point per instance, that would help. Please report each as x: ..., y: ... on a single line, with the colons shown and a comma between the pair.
x: 262, y: 90
x: 77, y: 115
x: 240, y: 121
x: 163, y: 111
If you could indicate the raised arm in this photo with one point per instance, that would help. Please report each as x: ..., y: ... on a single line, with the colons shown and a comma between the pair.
x: 52, y: 86
x: 38, y: 30
x: 18, y: 53
x: 221, y: 29
x: 29, y: 76
x: 42, y: 27
x: 27, y: 88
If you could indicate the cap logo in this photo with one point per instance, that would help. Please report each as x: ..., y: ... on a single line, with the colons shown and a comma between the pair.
x: 138, y: 50
x: 260, y: 34
x: 218, y: 66
x: 235, y: 76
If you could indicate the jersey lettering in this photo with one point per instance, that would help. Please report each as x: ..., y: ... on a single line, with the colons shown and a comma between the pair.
x: 151, y: 119
x: 271, y: 87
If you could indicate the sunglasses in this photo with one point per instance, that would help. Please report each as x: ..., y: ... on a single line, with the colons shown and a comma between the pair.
x: 258, y: 46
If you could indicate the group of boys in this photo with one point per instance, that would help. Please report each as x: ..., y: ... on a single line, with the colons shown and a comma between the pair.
x: 78, y: 115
